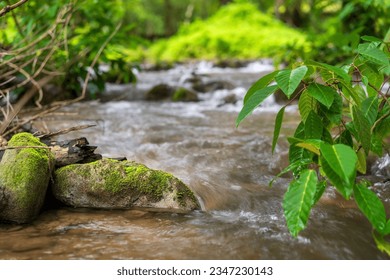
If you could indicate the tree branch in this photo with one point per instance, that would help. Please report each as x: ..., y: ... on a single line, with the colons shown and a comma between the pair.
x: 9, y: 8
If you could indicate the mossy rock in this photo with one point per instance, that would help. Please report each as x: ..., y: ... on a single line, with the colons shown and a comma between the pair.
x: 184, y: 95
x: 160, y: 92
x: 24, y: 178
x: 112, y: 184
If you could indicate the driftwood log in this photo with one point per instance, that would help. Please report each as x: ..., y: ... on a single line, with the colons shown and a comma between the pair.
x: 72, y: 151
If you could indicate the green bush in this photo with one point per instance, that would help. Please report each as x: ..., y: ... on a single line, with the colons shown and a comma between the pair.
x: 237, y: 30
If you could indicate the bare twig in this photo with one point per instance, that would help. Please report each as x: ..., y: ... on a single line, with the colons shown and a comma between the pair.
x: 9, y: 8
x: 67, y: 130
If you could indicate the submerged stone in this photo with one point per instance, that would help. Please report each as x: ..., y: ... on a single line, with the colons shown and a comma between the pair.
x: 116, y: 184
x: 24, y: 178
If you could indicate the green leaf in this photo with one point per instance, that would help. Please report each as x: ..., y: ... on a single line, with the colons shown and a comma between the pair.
x: 362, y: 127
x: 313, y: 126
x: 333, y: 70
x: 376, y: 144
x: 255, y: 100
x: 339, y: 164
x: 306, y: 104
x: 324, y: 94
x: 345, y: 138
x: 312, y: 145
x: 371, y: 206
x: 362, y: 162
x: 381, y: 243
x: 260, y: 84
x: 387, y: 229
x: 278, y: 125
x: 375, y: 78
x: 298, y: 201
x: 320, y: 188
x: 288, y: 80
x: 294, y: 167
x: 374, y: 55
x: 334, y: 113
x: 370, y: 109
x: 371, y: 39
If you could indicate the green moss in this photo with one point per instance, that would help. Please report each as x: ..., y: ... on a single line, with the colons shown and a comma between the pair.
x: 125, y: 177
x: 237, y: 31
x: 21, y: 168
x: 179, y: 94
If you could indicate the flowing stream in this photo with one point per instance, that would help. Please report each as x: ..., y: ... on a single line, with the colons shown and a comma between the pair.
x: 228, y: 169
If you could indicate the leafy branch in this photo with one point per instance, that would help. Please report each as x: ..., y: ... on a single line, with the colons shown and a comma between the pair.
x: 345, y: 115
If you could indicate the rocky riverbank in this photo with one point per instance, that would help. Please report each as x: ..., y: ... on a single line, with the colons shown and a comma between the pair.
x: 28, y: 173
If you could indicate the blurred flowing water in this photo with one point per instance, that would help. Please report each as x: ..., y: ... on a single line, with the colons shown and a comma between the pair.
x: 228, y: 169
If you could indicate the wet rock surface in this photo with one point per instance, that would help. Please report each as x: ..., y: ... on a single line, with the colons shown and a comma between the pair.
x: 116, y: 184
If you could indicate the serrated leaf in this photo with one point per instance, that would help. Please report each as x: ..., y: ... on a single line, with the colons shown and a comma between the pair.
x: 339, y: 164
x: 370, y: 109
x: 371, y: 206
x: 375, y: 78
x: 255, y: 100
x: 306, y: 104
x: 288, y: 80
x: 323, y: 94
x: 278, y: 125
x: 362, y: 127
x: 260, y: 84
x: 313, y: 126
x: 298, y: 201
x: 374, y: 55
x: 333, y: 70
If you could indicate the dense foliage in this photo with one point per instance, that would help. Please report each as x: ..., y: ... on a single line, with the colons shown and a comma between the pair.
x: 345, y: 115
x: 237, y: 31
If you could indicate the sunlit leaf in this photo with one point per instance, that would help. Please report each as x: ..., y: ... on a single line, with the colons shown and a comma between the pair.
x: 255, y: 100
x: 324, y: 94
x: 374, y: 55
x: 370, y: 109
x: 306, y: 104
x: 260, y: 84
x: 288, y: 80
x: 312, y: 145
x: 371, y: 39
x: 313, y: 126
x: 371, y: 206
x: 278, y: 125
x: 381, y: 243
x: 339, y: 164
x: 363, y: 128
x: 336, y: 71
x: 298, y: 201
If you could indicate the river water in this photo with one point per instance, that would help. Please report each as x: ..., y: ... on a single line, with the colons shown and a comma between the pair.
x: 227, y: 168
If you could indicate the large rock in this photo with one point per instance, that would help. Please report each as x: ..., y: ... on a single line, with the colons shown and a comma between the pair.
x: 164, y: 92
x: 24, y: 178
x: 116, y: 184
